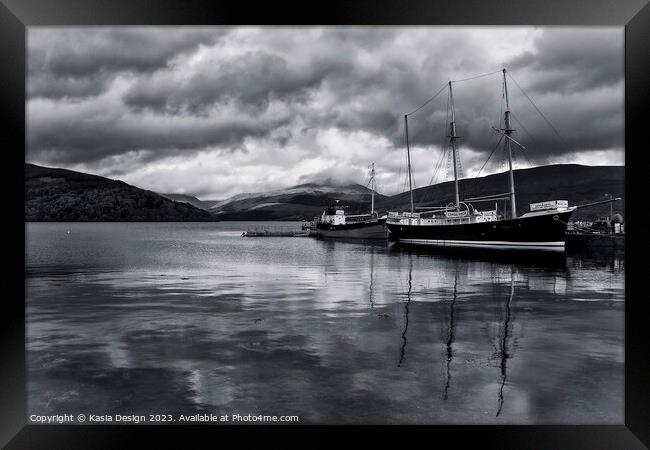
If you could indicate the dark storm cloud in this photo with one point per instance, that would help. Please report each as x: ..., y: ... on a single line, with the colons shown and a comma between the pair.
x: 565, y: 61
x: 64, y: 142
x: 252, y: 79
x: 578, y: 76
x: 573, y: 77
x: 44, y: 84
x: 80, y: 62
x: 102, y: 94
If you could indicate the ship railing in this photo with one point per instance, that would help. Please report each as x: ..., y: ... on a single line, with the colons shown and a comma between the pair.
x: 395, y: 214
x: 490, y: 212
x: 358, y: 218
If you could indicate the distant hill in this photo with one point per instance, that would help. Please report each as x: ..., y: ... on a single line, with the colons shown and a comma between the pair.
x: 301, y: 202
x: 60, y: 195
x: 201, y: 204
x: 576, y: 183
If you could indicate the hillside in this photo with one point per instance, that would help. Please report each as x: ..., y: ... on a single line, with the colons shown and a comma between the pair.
x: 575, y: 183
x: 301, y: 202
x: 59, y: 195
x: 201, y: 204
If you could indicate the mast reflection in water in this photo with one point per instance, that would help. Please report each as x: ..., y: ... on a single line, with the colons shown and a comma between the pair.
x: 191, y: 317
x: 450, y: 333
x: 406, y: 311
x: 503, y: 349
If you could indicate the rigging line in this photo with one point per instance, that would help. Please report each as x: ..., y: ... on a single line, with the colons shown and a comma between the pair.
x: 406, y: 172
x: 445, y: 134
x: 405, y: 179
x: 449, y: 174
x: 366, y: 180
x: 443, y: 158
x: 401, y: 158
x: 526, y: 156
x: 523, y: 127
x: 436, y: 168
x: 529, y: 136
x: 443, y: 147
x: 491, y: 153
x: 438, y: 165
x: 503, y: 99
x: 540, y: 113
x: 403, y: 162
x: 427, y: 102
x: 514, y: 160
x: 435, y: 173
x: 527, y: 160
x: 447, y: 119
x: 477, y: 76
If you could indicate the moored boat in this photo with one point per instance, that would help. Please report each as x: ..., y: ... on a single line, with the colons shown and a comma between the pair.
x: 461, y: 224
x: 335, y: 223
x: 544, y: 230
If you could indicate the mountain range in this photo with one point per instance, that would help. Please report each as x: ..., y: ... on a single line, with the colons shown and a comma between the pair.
x: 64, y: 195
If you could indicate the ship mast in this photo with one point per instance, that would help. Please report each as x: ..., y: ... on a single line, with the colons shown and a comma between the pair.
x: 508, y: 131
x: 452, y: 139
x: 372, y: 188
x: 408, y: 154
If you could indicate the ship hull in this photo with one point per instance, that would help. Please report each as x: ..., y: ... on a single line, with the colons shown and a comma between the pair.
x: 539, y: 232
x: 360, y: 230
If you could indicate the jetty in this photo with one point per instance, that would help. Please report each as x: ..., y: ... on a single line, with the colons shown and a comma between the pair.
x: 276, y: 231
x: 596, y: 242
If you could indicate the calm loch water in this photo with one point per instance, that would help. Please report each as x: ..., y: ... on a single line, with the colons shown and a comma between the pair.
x: 186, y: 318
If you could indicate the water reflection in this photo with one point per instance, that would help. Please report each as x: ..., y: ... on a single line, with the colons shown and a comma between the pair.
x: 406, y: 310
x: 151, y: 317
x: 372, y: 273
x: 450, y: 333
x: 546, y: 260
x: 503, y: 343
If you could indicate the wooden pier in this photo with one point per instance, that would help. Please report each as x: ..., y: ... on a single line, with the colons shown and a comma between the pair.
x: 275, y: 231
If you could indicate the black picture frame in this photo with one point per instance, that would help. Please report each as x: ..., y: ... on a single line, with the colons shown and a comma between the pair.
x: 16, y: 15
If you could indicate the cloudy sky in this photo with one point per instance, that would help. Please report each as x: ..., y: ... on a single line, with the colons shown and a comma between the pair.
x: 216, y: 111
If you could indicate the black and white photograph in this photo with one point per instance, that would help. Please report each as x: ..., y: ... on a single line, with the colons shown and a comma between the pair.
x: 325, y: 225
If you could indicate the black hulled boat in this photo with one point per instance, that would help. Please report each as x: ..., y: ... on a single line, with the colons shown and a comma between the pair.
x: 335, y: 223
x: 461, y: 224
